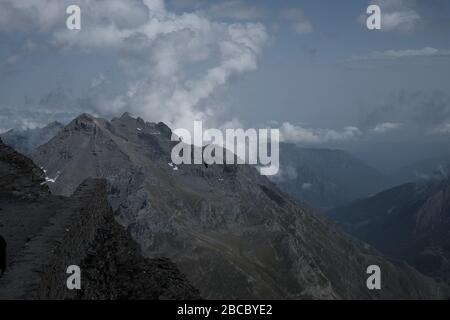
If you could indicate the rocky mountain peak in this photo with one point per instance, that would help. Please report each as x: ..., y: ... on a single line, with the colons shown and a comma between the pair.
x: 84, y: 122
x: 126, y: 115
x: 20, y: 177
x: 54, y: 124
x: 164, y: 129
x: 232, y: 232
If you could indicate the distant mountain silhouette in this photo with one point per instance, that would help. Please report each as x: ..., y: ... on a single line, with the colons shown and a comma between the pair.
x: 410, y: 222
x: 26, y: 141
x: 325, y: 178
x: 421, y: 170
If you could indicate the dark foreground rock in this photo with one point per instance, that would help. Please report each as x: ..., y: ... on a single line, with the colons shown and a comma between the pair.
x: 114, y: 267
x: 46, y: 234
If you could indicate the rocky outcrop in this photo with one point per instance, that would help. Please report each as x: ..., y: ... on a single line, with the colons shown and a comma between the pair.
x: 48, y: 234
x: 20, y: 177
x: 230, y: 230
x: 112, y: 264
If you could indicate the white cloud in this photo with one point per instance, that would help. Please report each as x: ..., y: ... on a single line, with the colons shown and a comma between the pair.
x: 40, y: 15
x: 237, y: 10
x: 22, y: 123
x: 386, y: 126
x: 402, y: 54
x: 298, y: 134
x: 227, y: 9
x: 402, y: 20
x: 176, y: 101
x: 443, y: 129
x: 157, y: 50
x: 298, y: 20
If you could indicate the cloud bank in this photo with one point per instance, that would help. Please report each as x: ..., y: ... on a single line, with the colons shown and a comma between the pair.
x: 426, y: 52
x: 156, y: 50
x: 299, y: 134
x: 386, y: 126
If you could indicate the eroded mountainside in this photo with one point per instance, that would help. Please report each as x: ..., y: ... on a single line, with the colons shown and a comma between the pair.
x: 229, y: 229
x: 411, y: 222
x: 46, y: 234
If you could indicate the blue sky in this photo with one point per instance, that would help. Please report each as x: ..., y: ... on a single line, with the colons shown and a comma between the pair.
x: 311, y: 68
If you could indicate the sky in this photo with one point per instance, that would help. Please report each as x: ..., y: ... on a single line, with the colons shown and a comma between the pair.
x: 310, y: 68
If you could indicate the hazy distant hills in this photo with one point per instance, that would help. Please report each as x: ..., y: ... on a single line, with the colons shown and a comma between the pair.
x: 410, y: 221
x: 325, y: 178
x: 229, y: 229
x: 422, y: 170
x: 25, y: 141
x: 328, y: 178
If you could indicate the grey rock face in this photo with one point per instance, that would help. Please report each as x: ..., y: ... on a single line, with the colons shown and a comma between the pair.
x: 45, y: 234
x: 230, y: 230
x: 20, y: 176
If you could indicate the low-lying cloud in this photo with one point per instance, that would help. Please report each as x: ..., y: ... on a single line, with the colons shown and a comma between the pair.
x: 419, y: 112
x: 299, y: 134
x: 386, y: 127
x: 425, y: 52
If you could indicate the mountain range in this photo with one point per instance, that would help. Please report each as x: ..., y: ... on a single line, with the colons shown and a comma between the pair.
x: 324, y: 178
x: 231, y: 231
